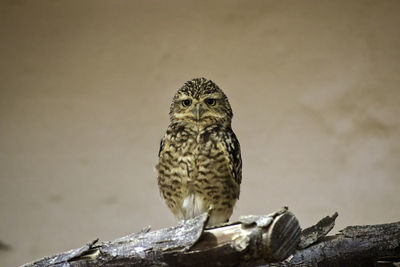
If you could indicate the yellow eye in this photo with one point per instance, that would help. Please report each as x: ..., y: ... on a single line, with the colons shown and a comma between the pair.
x: 186, y: 102
x: 210, y: 101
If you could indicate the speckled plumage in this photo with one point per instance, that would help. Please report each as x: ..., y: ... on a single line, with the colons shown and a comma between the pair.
x: 200, y: 166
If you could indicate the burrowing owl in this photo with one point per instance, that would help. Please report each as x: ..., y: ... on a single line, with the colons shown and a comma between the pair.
x: 200, y: 166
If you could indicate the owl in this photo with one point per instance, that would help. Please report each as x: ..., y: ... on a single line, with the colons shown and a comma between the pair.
x: 200, y: 166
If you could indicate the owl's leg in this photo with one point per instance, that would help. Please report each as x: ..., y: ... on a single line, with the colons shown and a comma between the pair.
x: 193, y: 205
x: 219, y: 217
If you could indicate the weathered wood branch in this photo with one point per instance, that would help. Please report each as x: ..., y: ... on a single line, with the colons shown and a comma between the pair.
x: 251, y: 241
x: 367, y: 245
x: 354, y: 246
x: 271, y: 237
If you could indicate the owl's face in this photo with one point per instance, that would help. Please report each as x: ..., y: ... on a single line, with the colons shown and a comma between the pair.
x: 201, y: 102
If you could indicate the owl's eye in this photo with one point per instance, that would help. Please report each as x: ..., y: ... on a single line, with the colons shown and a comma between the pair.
x: 210, y: 101
x: 186, y: 102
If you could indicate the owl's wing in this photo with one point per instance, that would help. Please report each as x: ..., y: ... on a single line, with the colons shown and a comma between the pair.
x: 232, y: 146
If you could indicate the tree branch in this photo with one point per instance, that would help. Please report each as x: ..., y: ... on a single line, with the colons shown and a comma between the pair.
x: 271, y: 237
x: 367, y: 245
x: 252, y: 241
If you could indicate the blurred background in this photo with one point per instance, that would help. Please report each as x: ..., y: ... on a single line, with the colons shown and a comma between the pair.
x: 85, y: 88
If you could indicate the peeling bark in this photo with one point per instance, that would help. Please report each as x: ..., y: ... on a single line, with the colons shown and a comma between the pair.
x: 367, y: 245
x: 270, y: 237
x: 252, y: 241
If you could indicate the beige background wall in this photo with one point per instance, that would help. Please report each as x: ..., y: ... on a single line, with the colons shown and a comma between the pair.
x: 85, y: 88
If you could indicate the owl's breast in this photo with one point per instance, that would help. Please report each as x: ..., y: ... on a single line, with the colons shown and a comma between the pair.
x: 192, y: 156
x: 212, y: 162
x: 194, y: 173
x: 177, y: 160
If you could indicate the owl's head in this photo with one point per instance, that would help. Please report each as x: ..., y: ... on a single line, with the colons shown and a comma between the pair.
x: 201, y: 102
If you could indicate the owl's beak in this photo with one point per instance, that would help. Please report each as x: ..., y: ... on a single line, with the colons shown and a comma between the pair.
x: 197, y: 111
